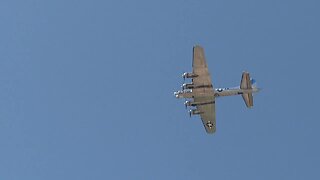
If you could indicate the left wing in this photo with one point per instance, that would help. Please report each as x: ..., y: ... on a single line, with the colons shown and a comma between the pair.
x: 206, y: 105
x: 200, y: 68
x: 208, y: 113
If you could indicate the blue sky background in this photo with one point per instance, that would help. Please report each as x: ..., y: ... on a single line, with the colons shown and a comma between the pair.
x: 86, y: 89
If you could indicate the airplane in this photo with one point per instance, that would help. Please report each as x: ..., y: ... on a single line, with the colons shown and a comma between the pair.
x: 204, y: 95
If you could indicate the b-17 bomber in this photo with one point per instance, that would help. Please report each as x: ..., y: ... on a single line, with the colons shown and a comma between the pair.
x: 202, y: 94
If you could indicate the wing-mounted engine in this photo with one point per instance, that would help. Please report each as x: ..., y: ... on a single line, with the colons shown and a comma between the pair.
x: 192, y: 86
x: 187, y: 86
x: 189, y: 75
x: 191, y: 103
x: 194, y: 112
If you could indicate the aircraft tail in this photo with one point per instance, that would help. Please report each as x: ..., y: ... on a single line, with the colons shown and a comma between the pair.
x: 247, y: 83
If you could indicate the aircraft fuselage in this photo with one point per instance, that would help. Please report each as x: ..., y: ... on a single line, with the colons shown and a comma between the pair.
x: 216, y: 93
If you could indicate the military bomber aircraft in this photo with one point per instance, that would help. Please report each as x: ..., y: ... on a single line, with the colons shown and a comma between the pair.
x: 204, y: 95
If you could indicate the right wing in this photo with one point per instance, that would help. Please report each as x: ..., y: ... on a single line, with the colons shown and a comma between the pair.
x: 208, y: 113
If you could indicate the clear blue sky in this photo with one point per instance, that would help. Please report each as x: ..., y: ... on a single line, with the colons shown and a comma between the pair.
x: 86, y: 89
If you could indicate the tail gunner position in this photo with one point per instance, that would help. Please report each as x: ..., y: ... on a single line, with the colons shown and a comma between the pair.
x: 203, y: 94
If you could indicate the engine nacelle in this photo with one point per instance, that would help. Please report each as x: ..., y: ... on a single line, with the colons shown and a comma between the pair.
x: 189, y: 75
x: 189, y: 103
x: 194, y: 112
x: 187, y: 86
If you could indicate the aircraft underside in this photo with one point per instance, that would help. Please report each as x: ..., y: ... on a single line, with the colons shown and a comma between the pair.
x: 202, y: 95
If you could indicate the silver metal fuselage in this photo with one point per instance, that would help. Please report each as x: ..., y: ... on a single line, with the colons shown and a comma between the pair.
x: 216, y: 93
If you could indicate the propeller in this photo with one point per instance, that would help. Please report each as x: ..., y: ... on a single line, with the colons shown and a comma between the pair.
x: 184, y: 79
x: 183, y: 76
x: 185, y: 100
x: 185, y: 104
x: 182, y: 87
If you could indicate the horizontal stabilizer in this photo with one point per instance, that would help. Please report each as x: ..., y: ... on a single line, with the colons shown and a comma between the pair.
x: 248, y: 99
x: 246, y: 83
